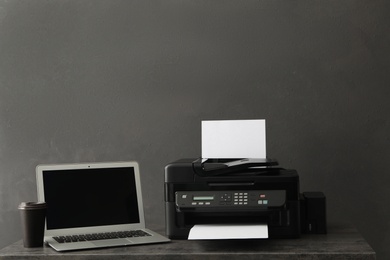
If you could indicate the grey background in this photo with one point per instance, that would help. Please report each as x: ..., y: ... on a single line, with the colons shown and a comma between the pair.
x: 84, y: 81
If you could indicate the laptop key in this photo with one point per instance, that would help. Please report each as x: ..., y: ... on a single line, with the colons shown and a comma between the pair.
x: 60, y: 239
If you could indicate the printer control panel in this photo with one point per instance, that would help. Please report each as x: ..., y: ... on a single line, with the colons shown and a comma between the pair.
x: 240, y: 199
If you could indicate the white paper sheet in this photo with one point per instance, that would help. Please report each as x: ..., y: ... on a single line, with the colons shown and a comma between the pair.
x: 226, y: 139
x: 204, y: 232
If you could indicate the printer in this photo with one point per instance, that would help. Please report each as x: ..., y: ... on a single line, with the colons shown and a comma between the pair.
x: 239, y: 191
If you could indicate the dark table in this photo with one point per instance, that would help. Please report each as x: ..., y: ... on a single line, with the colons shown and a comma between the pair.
x: 341, y: 242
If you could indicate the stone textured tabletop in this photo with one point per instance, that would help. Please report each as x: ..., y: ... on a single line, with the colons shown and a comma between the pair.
x: 341, y: 242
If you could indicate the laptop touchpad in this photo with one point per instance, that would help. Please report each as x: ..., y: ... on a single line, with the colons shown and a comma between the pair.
x: 112, y: 242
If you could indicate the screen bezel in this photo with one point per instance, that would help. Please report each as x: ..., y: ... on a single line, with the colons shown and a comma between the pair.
x: 64, y: 231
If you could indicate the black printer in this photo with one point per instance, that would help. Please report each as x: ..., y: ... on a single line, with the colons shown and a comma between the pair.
x: 238, y: 191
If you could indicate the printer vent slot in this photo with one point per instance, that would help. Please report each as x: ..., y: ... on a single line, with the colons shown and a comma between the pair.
x: 274, y: 219
x: 215, y: 219
x: 230, y: 184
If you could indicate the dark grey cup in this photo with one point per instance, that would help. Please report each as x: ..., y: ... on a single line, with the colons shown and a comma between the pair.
x: 33, y: 223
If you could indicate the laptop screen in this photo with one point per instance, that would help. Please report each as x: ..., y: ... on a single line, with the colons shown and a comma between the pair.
x: 90, y: 197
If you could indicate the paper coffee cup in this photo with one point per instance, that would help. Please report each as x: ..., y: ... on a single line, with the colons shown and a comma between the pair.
x: 33, y: 216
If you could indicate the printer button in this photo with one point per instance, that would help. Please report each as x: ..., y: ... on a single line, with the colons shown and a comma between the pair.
x: 226, y: 197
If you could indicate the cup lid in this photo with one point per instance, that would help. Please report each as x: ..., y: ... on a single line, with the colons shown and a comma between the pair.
x: 32, y: 205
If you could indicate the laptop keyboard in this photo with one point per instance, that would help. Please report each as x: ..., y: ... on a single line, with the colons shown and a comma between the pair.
x: 101, y: 236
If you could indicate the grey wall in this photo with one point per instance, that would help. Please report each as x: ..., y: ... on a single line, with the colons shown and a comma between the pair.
x: 132, y: 80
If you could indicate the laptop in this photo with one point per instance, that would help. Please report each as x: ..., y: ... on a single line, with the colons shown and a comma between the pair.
x: 93, y: 205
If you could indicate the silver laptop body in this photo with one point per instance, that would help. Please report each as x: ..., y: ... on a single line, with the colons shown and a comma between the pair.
x: 93, y: 205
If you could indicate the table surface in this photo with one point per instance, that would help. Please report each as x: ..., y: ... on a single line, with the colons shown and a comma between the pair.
x: 341, y: 242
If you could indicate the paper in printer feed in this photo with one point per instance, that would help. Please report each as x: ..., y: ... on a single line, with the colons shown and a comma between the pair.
x: 225, y: 139
x: 216, y: 231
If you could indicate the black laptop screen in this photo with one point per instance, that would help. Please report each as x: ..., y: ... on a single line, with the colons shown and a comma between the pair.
x: 90, y: 197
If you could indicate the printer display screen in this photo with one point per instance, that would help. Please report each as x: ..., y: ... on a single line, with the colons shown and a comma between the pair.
x: 203, y: 198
